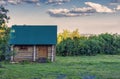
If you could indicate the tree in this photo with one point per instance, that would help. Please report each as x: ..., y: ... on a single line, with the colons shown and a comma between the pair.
x: 72, y: 44
x: 75, y: 34
x: 67, y: 34
x: 65, y: 47
x: 4, y: 33
x: 107, y: 43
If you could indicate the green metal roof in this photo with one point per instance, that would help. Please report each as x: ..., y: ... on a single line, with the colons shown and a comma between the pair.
x: 33, y: 35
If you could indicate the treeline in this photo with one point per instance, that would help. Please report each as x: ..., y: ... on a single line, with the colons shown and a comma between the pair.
x: 4, y: 33
x: 72, y: 44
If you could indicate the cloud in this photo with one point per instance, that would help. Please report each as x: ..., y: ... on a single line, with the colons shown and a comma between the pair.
x: 31, y: 1
x: 82, y: 11
x: 99, y: 8
x: 71, y: 13
x: 56, y: 2
x: 2, y: 2
x: 118, y: 7
x: 15, y: 2
x: 58, y: 12
x: 37, y: 2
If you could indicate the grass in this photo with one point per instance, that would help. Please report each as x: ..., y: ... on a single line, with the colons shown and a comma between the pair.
x: 81, y: 67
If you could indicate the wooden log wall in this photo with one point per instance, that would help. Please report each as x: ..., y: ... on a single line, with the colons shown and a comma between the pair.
x: 23, y: 53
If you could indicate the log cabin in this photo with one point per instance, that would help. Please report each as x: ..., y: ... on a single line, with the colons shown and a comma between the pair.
x: 33, y: 42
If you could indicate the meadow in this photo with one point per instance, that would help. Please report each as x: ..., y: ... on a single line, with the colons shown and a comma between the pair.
x: 74, y: 67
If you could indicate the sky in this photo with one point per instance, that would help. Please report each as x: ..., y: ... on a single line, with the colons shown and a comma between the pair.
x: 89, y: 16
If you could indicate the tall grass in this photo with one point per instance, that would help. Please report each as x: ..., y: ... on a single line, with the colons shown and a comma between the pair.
x: 81, y: 67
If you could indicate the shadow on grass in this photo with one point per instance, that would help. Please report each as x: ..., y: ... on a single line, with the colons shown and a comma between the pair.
x: 104, y: 62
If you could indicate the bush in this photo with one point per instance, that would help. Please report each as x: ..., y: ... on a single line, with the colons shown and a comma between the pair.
x: 93, y: 45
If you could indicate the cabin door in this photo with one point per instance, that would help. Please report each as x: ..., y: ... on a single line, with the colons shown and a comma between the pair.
x: 42, y: 51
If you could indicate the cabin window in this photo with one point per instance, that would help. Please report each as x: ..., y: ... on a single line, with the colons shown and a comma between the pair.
x: 23, y: 48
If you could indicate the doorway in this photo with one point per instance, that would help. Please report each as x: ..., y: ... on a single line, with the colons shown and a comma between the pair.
x: 42, y: 51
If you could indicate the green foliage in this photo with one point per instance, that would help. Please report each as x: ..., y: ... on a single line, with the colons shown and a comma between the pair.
x: 67, y: 34
x: 4, y: 33
x: 92, y: 45
x: 3, y: 16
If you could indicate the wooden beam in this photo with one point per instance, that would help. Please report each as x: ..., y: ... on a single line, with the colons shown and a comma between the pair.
x: 34, y: 53
x: 12, y: 50
x: 52, y: 59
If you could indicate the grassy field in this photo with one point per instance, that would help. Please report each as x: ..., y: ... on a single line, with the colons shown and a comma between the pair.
x: 82, y: 67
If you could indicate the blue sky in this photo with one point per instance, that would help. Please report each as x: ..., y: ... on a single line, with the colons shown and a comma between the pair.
x: 89, y: 16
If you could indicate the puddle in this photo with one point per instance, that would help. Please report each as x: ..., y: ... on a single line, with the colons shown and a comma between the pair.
x: 88, y: 77
x: 61, y: 76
